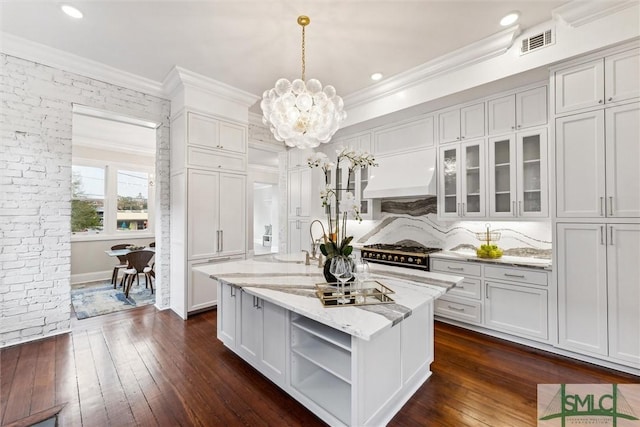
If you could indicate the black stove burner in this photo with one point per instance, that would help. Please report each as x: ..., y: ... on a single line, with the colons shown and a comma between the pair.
x: 400, y: 255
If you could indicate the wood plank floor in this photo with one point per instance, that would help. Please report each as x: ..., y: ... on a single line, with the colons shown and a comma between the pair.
x: 145, y: 367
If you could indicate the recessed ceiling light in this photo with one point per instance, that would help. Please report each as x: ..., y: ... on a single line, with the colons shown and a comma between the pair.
x: 71, y: 11
x: 509, y: 19
x: 376, y: 76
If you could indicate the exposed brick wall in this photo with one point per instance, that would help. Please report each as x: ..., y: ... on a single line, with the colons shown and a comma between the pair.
x: 35, y: 179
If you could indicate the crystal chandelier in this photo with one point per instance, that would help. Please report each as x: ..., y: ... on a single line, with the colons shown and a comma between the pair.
x: 302, y: 114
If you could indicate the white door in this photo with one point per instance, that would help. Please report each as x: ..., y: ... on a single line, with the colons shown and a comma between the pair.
x: 249, y: 338
x: 532, y: 188
x: 232, y: 138
x: 582, y: 288
x: 623, y: 268
x: 274, y: 332
x: 203, y: 290
x: 531, y: 108
x: 233, y: 196
x: 472, y: 121
x: 449, y: 183
x: 581, y: 86
x: 516, y: 309
x: 227, y: 314
x: 502, y: 176
x: 448, y: 126
x: 472, y: 178
x: 621, y: 76
x: 202, y: 131
x: 623, y: 161
x: 580, y: 166
x: 203, y: 209
x: 502, y: 115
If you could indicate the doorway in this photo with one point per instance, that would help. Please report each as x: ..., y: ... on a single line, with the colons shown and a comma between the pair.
x: 265, y: 218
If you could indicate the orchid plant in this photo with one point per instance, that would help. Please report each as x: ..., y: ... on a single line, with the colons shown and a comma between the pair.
x: 337, y: 242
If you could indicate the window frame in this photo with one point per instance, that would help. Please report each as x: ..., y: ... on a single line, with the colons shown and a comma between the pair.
x: 109, y: 229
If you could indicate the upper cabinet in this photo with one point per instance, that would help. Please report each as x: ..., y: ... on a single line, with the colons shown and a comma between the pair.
x: 208, y: 132
x: 462, y: 123
x: 598, y: 171
x: 518, y: 111
x: 416, y: 134
x: 518, y: 175
x: 607, y: 80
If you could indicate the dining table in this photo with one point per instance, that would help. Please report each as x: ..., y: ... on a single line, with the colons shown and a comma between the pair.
x: 122, y: 252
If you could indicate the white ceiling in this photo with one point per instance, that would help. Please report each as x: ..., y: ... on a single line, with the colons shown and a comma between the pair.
x: 250, y: 44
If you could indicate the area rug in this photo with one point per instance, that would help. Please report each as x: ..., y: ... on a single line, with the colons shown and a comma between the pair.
x: 103, y: 299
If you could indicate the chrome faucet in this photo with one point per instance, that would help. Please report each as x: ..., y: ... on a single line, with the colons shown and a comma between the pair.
x: 315, y: 243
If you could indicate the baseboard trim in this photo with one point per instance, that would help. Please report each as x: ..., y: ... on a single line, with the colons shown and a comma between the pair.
x: 38, y: 338
x: 91, y: 277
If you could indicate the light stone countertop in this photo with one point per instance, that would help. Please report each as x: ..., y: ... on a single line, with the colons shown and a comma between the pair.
x: 291, y: 284
x: 508, y: 261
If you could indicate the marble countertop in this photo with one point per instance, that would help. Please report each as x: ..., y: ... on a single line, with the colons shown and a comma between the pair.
x: 510, y: 261
x: 287, y: 282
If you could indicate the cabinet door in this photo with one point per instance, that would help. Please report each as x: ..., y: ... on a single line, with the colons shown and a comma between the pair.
x: 621, y: 76
x: 274, y: 333
x: 531, y: 154
x: 294, y: 189
x: 202, y: 131
x: 502, y: 176
x: 582, y: 288
x: 449, y: 126
x: 305, y: 192
x: 520, y: 310
x: 472, y: 121
x: 502, y: 115
x: 448, y: 199
x: 472, y: 185
x: 232, y: 214
x: 623, y: 268
x: 531, y: 108
x: 623, y: 161
x: 579, y: 87
x: 294, y: 236
x: 249, y: 338
x: 203, y: 290
x: 580, y: 166
x: 232, y: 137
x: 226, y: 314
x: 203, y: 209
x: 405, y: 136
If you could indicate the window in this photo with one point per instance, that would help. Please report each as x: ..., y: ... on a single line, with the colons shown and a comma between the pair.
x: 110, y: 198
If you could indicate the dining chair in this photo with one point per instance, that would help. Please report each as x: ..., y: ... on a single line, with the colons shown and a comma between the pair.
x: 152, y: 244
x: 137, y: 261
x: 122, y: 259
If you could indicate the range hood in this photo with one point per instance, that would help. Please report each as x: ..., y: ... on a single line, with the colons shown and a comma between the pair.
x: 410, y: 174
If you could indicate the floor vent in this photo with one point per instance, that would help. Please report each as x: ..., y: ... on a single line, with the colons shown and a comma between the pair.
x: 536, y: 42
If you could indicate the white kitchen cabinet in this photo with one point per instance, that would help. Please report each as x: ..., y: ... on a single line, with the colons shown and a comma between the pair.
x: 598, y: 163
x: 518, y: 111
x: 212, y: 133
x: 598, y: 82
x: 415, y: 134
x: 203, y: 290
x: 299, y: 237
x: 226, y: 313
x: 298, y: 157
x: 518, y: 175
x: 598, y: 292
x: 261, y: 336
x: 462, y: 180
x: 216, y: 214
x: 521, y: 310
x: 463, y: 123
x: 299, y: 192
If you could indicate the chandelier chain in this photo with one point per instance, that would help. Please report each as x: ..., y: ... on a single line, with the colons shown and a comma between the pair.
x: 303, y: 52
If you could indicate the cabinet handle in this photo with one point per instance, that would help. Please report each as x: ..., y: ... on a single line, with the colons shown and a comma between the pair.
x: 233, y: 292
x: 520, y: 208
x: 486, y: 291
x: 218, y: 240
x: 610, y: 99
x: 513, y: 207
x: 463, y: 209
x: 513, y: 127
x: 459, y: 287
x: 611, y: 205
x: 602, y: 235
x: 255, y: 304
x: 258, y: 303
x: 519, y: 126
x: 450, y: 307
x: 462, y: 137
x: 221, y: 240
x: 519, y: 276
x: 458, y: 210
x: 458, y: 138
x: 599, y: 101
x: 455, y: 268
x: 601, y: 206
x: 611, y: 235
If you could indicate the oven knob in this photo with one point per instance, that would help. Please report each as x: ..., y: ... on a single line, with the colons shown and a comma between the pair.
x: 410, y: 259
x: 384, y: 256
x: 418, y: 261
x: 401, y: 259
x: 365, y: 254
x: 378, y: 256
x: 395, y: 258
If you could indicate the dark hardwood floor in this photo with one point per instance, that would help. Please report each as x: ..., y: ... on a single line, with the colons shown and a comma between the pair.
x: 145, y: 367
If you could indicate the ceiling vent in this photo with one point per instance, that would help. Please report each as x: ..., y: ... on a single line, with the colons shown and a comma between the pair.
x: 536, y: 42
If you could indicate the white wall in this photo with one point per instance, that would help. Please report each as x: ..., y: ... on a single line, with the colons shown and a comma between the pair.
x: 259, y: 174
x: 35, y: 172
x: 265, y: 202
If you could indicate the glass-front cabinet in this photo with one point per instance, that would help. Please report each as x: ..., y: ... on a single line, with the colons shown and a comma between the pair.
x: 462, y: 180
x: 518, y: 175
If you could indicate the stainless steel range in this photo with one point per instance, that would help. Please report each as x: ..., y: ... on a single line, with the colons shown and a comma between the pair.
x: 399, y: 255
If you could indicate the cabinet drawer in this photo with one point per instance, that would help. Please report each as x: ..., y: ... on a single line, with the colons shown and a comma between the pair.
x: 203, y: 158
x: 453, y: 308
x: 516, y: 275
x: 456, y: 267
x: 469, y: 288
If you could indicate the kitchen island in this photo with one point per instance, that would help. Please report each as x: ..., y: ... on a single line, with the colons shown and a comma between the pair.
x: 355, y: 365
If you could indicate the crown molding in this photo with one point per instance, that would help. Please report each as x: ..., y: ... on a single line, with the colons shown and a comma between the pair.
x: 580, y: 12
x: 179, y: 77
x: 484, y: 49
x: 46, y: 55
